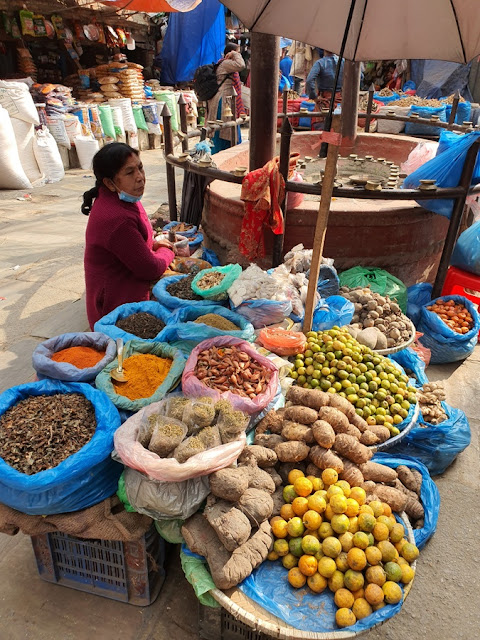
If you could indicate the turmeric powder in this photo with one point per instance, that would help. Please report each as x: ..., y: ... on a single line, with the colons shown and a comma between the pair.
x: 80, y: 357
x: 145, y: 373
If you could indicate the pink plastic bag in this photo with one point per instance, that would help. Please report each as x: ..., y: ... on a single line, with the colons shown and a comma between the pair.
x: 194, y: 388
x: 134, y: 455
x: 422, y: 153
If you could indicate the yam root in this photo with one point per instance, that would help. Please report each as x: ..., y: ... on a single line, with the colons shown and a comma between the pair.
x: 258, y: 479
x: 312, y: 398
x: 334, y: 417
x: 368, y: 438
x: 257, y: 505
x: 313, y: 470
x: 303, y: 415
x: 230, y: 524
x: 349, y: 447
x: 378, y: 472
x: 272, y: 422
x: 325, y: 458
x: 323, y: 433
x: 358, y: 421
x: 293, y: 451
x: 278, y: 501
x: 230, y: 484
x: 269, y: 440
x: 276, y: 477
x: 351, y: 473
x: 382, y: 433
x: 413, y: 508
x: 343, y: 405
x: 407, y: 478
x: 393, y: 497
x: 261, y: 455
x: 419, y: 478
x: 227, y: 569
x: 297, y: 431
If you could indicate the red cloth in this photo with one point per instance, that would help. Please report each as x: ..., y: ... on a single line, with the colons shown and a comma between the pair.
x: 119, y: 261
x: 262, y: 192
x: 237, y: 85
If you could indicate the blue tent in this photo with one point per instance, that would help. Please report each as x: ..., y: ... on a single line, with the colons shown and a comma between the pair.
x: 192, y: 40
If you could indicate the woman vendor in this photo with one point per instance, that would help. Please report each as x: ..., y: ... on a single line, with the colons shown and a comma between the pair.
x: 121, y: 258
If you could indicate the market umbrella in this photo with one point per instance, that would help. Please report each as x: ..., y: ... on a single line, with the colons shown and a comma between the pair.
x: 364, y: 30
x: 154, y: 6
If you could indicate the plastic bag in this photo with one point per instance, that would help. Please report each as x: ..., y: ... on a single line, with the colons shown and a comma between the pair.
x: 139, y: 117
x: 170, y: 530
x: 81, y: 480
x: 464, y: 110
x: 104, y: 382
x: 194, y: 388
x: 334, y: 311
x: 134, y: 455
x: 262, y: 313
x: 379, y: 281
x: 172, y: 226
x: 386, y: 99
x: 423, y: 152
x: 45, y: 366
x: 328, y: 283
x: 198, y: 576
x: 466, y: 254
x: 281, y: 341
x: 411, y: 361
x: 412, y: 128
x: 218, y: 292
x: 417, y: 295
x: 108, y: 325
x: 429, y: 495
x: 211, y: 257
x: 446, y: 168
x: 445, y: 344
x: 117, y: 117
x: 161, y: 500
x: 392, y: 126
x: 106, y: 118
x: 172, y: 302
x: 187, y: 329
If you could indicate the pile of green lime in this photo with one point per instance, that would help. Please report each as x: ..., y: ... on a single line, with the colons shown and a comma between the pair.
x: 336, y: 363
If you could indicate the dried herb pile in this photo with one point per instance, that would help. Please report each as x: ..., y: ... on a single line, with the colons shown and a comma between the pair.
x: 183, y: 289
x: 144, y: 325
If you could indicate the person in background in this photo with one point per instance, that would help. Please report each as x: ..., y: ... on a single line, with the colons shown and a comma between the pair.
x: 121, y: 259
x: 286, y: 66
x: 321, y: 79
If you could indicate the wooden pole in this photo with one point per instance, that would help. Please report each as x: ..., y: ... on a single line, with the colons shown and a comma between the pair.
x: 286, y: 135
x: 368, y: 119
x: 453, y: 113
x: 321, y: 226
x: 170, y: 170
x: 350, y: 90
x: 182, y: 104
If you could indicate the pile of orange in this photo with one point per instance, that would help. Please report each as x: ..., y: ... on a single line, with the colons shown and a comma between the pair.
x: 456, y: 316
x: 326, y: 536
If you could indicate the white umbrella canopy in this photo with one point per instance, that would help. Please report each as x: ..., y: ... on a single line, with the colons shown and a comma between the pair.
x: 380, y: 29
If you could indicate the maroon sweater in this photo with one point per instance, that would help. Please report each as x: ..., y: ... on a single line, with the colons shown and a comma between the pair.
x: 119, y: 261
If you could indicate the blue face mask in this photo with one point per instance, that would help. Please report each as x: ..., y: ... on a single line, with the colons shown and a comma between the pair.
x: 126, y: 197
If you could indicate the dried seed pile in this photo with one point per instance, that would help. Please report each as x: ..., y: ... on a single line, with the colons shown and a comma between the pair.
x: 407, y: 101
x: 142, y: 324
x: 183, y: 289
x: 218, y: 322
x: 39, y: 432
x: 210, y: 280
x: 229, y: 369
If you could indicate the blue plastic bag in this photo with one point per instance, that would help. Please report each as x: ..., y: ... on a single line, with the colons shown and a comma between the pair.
x: 107, y: 324
x: 48, y: 368
x: 334, y: 311
x: 409, y: 359
x: 196, y: 242
x: 187, y: 329
x: 104, y: 382
x: 262, y: 313
x: 386, y: 99
x: 412, y: 128
x: 186, y: 234
x: 417, y: 295
x: 211, y: 257
x: 328, y: 283
x: 446, y: 168
x: 429, y: 494
x: 84, y: 478
x: 464, y: 110
x: 445, y: 344
x: 172, y: 302
x: 306, y: 121
x: 172, y: 338
x: 466, y: 254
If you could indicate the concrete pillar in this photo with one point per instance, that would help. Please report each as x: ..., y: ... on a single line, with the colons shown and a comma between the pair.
x: 350, y: 90
x: 264, y: 98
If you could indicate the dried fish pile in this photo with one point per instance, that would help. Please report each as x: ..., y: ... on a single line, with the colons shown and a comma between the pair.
x: 39, y: 432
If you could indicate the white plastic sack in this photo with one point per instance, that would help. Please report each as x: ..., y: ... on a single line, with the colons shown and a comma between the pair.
x: 48, y: 156
x: 392, y: 126
x: 24, y: 135
x: 12, y: 175
x: 16, y: 99
x: 125, y: 105
x: 73, y: 128
x: 117, y: 116
x: 56, y: 126
x: 86, y: 149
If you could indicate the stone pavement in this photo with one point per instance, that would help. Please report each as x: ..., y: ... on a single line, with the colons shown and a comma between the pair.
x: 41, y: 277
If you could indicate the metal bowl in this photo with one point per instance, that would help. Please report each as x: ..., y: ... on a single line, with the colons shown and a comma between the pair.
x: 400, y: 347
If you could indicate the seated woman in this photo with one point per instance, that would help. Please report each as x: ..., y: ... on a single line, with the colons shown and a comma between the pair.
x: 121, y: 258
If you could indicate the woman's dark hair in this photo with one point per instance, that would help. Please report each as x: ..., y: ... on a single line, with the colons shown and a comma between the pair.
x: 231, y: 46
x: 106, y: 164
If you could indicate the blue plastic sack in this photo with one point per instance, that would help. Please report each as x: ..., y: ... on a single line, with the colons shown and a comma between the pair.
x: 211, y: 257
x: 409, y: 359
x: 186, y: 234
x: 334, y: 311
x: 187, y: 329
x: 83, y: 479
x: 328, y: 283
x: 429, y: 494
x: 262, y: 313
x: 171, y: 302
x: 386, y: 99
x: 107, y: 324
x: 409, y: 86
x: 172, y: 338
x: 48, y: 368
x: 412, y: 128
x: 304, y: 121
x: 417, y: 295
x: 464, y: 110
x: 445, y: 344
x: 104, y: 382
x: 466, y: 254
x: 196, y: 242
x: 446, y: 168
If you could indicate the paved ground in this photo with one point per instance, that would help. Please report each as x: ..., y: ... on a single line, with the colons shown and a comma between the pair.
x: 41, y: 277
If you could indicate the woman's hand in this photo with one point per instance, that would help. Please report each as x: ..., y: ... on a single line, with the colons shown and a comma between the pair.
x: 162, y: 244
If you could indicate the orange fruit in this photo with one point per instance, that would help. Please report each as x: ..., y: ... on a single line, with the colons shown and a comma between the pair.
x: 386, y: 521
x: 296, y: 578
x: 316, y: 503
x: 295, y: 527
x: 407, y: 573
x: 289, y: 493
x: 387, y: 510
x: 366, y: 522
x: 356, y: 559
x: 273, y: 556
x: 338, y: 503
x: 397, y: 532
x: 365, y: 508
x: 371, y: 539
x: 327, y: 567
x: 334, y: 490
x: 376, y: 607
x: 325, y: 530
x: 317, y: 483
x: 295, y: 546
x: 392, y: 592
x: 399, y: 545
x: 345, y: 487
x: 380, y: 531
x: 377, y: 507
x: 376, y: 575
x: 300, y: 506
x: 289, y: 561
x: 281, y: 547
x: 312, y: 520
x: 287, y: 512
x: 345, y: 617
x: 346, y: 540
x: 374, y: 594
x: 353, y: 526
x: 361, y: 608
x: 329, y: 476
x: 359, y: 593
x: 343, y: 598
x: 319, y: 555
x: 354, y: 580
x: 317, y: 583
x: 393, y: 571
x: 336, y: 581
x: 331, y: 547
x: 309, y: 532
x: 360, y: 540
x: 328, y: 513
x: 310, y: 545
x: 303, y: 487
x: 374, y: 555
x: 279, y: 528
x: 358, y: 494
x: 307, y: 565
x: 294, y: 474
x: 387, y: 549
x: 341, y: 561
x: 410, y: 552
x: 352, y: 508
x: 340, y: 523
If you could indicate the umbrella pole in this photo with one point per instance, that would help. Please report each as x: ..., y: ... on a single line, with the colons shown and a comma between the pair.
x: 321, y: 228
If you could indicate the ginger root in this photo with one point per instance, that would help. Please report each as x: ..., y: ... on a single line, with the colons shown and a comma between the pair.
x: 297, y: 431
x: 303, y: 415
x: 232, y: 527
x: 257, y: 505
x: 230, y: 484
x: 312, y: 398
